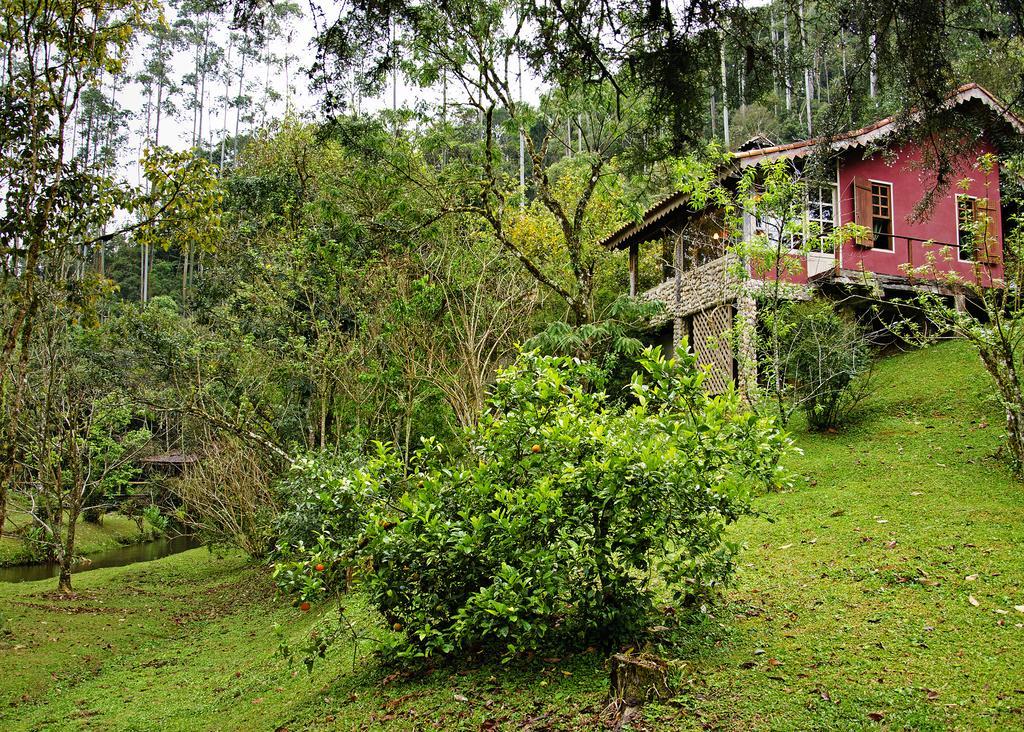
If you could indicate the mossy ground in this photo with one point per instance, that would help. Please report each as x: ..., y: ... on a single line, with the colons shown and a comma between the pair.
x: 852, y: 608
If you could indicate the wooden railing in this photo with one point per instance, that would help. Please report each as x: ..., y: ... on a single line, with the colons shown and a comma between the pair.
x: 923, y: 246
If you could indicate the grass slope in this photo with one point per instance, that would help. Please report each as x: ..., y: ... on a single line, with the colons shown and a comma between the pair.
x: 852, y: 609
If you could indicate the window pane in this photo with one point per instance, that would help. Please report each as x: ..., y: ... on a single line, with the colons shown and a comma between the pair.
x: 881, y: 215
x: 965, y: 214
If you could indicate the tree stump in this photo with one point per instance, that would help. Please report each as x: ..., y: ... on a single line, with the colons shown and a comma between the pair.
x: 638, y: 679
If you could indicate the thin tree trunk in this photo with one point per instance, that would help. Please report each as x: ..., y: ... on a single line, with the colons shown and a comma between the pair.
x: 808, y: 93
x: 202, y: 76
x: 725, y: 98
x: 786, y: 63
x: 67, y: 558
x: 238, y: 108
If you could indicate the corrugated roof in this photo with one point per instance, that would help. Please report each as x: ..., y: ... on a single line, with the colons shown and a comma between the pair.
x: 845, y: 141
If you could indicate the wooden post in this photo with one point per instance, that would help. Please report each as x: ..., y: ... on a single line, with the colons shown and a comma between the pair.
x: 634, y: 268
x: 677, y: 266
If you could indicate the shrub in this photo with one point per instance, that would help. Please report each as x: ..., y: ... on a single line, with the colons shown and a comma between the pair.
x: 227, y: 498
x: 551, y: 530
x: 327, y: 499
x: 828, y: 363
x: 154, y: 517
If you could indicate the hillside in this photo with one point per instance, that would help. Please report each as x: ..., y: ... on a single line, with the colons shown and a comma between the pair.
x: 880, y: 590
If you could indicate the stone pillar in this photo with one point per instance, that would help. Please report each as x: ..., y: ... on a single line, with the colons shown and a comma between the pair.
x: 677, y: 333
x: 634, y: 268
x: 746, y: 345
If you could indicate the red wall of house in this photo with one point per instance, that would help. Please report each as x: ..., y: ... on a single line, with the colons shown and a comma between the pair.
x: 909, y: 181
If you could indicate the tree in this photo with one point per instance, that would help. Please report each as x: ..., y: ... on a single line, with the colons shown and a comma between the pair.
x: 54, y: 205
x: 569, y: 142
x: 75, y: 435
x: 836, y: 59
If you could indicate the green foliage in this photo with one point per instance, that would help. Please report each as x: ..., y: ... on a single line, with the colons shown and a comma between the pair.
x: 113, y: 442
x: 327, y: 500
x: 182, y: 207
x: 552, y: 530
x: 156, y: 518
x: 827, y: 364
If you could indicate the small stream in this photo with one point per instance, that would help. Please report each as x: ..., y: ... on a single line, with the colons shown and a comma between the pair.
x: 119, y: 557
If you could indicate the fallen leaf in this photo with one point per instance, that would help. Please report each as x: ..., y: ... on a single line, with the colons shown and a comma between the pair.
x: 461, y: 698
x: 971, y: 599
x: 774, y: 662
x: 971, y: 577
x: 882, y: 521
x: 1001, y: 612
x: 890, y: 544
x: 932, y: 694
x: 876, y: 716
x: 785, y: 546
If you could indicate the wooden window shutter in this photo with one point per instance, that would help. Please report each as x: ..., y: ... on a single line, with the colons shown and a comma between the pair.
x: 862, y: 209
x: 987, y: 251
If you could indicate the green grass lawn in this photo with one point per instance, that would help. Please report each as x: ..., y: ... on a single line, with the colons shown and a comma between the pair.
x: 115, y: 531
x: 852, y: 608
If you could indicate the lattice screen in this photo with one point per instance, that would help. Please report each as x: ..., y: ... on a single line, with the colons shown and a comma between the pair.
x: 710, y: 339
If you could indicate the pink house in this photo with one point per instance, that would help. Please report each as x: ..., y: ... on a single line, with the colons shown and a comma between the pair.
x: 870, y: 177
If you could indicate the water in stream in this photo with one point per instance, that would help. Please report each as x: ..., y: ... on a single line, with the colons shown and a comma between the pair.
x: 119, y: 557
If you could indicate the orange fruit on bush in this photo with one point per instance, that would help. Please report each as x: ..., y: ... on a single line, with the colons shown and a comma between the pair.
x: 304, y: 607
x: 319, y: 568
x: 536, y: 448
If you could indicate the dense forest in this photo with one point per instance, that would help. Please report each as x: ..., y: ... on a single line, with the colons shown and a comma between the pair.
x: 345, y: 263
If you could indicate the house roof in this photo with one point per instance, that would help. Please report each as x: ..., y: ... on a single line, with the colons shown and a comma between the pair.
x: 867, y: 135
x: 643, y: 230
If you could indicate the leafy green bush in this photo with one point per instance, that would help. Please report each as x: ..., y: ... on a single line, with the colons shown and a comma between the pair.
x: 156, y: 518
x: 327, y: 500
x: 828, y: 363
x: 552, y: 530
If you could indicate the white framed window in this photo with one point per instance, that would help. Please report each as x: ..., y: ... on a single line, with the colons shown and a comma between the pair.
x: 881, y: 215
x: 966, y: 216
x: 821, y: 215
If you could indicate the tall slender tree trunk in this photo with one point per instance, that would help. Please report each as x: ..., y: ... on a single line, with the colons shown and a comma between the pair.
x: 872, y: 67
x: 786, y: 62
x: 227, y: 102
x: 808, y: 89
x: 725, y: 97
x: 202, y: 76
x: 238, y: 107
